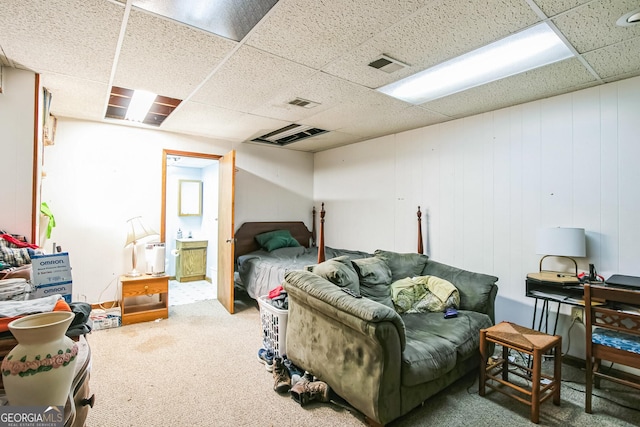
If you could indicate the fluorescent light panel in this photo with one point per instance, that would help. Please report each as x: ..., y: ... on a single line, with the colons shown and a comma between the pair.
x: 141, y: 102
x: 523, y: 51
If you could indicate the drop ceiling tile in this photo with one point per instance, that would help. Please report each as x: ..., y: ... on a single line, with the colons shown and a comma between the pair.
x: 438, y: 32
x: 249, y: 79
x: 594, y: 25
x: 250, y: 126
x: 71, y: 37
x: 73, y: 97
x: 179, y: 57
x: 371, y: 114
x: 554, y: 7
x: 324, y: 141
x: 554, y: 79
x: 207, y: 120
x: 199, y: 119
x: 315, y: 32
x: 322, y: 88
x: 619, y: 59
x: 384, y: 122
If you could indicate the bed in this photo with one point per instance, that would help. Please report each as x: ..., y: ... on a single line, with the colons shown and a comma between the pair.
x: 257, y: 270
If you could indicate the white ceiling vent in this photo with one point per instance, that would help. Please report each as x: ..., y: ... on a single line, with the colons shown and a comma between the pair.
x: 387, y: 64
x: 289, y: 134
x: 305, y: 103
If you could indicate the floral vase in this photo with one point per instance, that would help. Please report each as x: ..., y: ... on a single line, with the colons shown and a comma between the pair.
x: 40, y: 369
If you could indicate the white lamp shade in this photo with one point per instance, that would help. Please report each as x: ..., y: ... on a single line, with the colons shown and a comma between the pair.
x: 137, y: 230
x: 561, y: 241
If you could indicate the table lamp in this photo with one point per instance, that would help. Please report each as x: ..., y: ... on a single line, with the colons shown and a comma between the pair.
x: 137, y: 230
x: 562, y: 242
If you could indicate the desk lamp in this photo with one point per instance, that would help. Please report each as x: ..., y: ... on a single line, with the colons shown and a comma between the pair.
x: 137, y: 230
x: 562, y: 242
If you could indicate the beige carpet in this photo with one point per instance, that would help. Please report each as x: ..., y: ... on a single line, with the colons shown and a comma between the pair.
x: 199, y: 368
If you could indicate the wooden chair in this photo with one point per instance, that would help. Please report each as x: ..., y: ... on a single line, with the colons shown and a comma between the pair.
x: 612, y: 334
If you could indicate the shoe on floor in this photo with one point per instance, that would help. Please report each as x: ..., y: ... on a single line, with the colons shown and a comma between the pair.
x: 308, y: 391
x: 293, y: 369
x: 281, y: 376
x: 266, y: 356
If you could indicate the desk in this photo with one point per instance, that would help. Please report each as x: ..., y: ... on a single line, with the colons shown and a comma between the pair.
x: 568, y: 293
x: 571, y: 294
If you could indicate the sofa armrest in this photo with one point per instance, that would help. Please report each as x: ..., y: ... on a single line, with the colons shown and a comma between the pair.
x: 353, y: 344
x: 477, y: 291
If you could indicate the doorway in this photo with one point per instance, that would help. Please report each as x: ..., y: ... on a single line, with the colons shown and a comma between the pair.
x: 190, y: 236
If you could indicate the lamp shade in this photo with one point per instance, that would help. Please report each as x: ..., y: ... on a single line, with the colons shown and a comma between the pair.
x: 137, y: 230
x: 561, y: 241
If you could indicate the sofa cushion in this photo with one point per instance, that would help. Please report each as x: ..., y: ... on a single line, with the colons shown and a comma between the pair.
x: 435, y: 344
x: 475, y: 288
x: 375, y: 277
x: 338, y: 271
x: 402, y: 265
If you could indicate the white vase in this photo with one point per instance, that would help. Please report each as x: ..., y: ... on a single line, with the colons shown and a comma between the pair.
x: 40, y: 369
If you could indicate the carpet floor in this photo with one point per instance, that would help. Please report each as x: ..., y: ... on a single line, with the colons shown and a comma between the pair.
x: 199, y: 368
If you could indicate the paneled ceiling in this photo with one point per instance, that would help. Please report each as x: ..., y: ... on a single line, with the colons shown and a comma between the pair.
x: 238, y: 85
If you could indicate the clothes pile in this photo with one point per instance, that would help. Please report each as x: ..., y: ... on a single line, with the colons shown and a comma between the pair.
x: 278, y: 298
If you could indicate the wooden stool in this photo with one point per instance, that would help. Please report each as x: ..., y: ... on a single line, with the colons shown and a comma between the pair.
x: 535, y: 344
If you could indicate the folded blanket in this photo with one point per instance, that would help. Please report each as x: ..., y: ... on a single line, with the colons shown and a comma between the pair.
x: 424, y: 294
x: 11, y: 310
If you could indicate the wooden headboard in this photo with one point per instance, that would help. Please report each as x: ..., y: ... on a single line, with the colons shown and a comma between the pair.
x: 245, y: 235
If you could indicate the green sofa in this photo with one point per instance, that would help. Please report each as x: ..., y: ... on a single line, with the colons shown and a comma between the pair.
x: 383, y: 363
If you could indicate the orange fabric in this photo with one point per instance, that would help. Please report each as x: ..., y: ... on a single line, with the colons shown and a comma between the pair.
x: 4, y: 322
x: 61, y: 305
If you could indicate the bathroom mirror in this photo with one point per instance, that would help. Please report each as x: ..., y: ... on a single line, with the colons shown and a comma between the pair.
x: 189, y: 198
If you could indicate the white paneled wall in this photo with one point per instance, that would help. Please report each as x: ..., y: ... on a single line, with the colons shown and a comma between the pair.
x: 486, y: 183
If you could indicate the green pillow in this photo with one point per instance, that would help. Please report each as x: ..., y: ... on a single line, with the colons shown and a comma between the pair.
x: 276, y: 239
x: 403, y: 265
x: 375, y: 279
x: 338, y: 271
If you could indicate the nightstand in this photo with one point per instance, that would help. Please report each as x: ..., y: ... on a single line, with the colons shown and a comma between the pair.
x: 134, y: 292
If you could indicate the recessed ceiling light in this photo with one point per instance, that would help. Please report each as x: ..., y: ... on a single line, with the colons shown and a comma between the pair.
x: 139, y: 106
x: 121, y: 101
x: 520, y: 52
x: 630, y: 18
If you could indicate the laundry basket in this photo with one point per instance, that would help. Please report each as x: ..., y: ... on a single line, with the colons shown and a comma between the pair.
x: 274, y: 327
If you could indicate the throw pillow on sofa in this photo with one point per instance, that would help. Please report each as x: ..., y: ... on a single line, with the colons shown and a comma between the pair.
x: 375, y: 278
x: 402, y: 265
x: 424, y: 294
x: 338, y: 271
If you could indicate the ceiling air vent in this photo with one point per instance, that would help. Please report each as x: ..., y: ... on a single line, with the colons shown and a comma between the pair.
x: 387, y: 64
x: 289, y: 134
x: 304, y: 103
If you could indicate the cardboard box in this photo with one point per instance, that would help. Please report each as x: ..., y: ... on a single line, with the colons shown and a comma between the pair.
x: 51, y: 274
x: 105, y: 319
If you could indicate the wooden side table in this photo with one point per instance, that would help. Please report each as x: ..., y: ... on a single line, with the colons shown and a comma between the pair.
x: 536, y: 344
x: 144, y: 286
